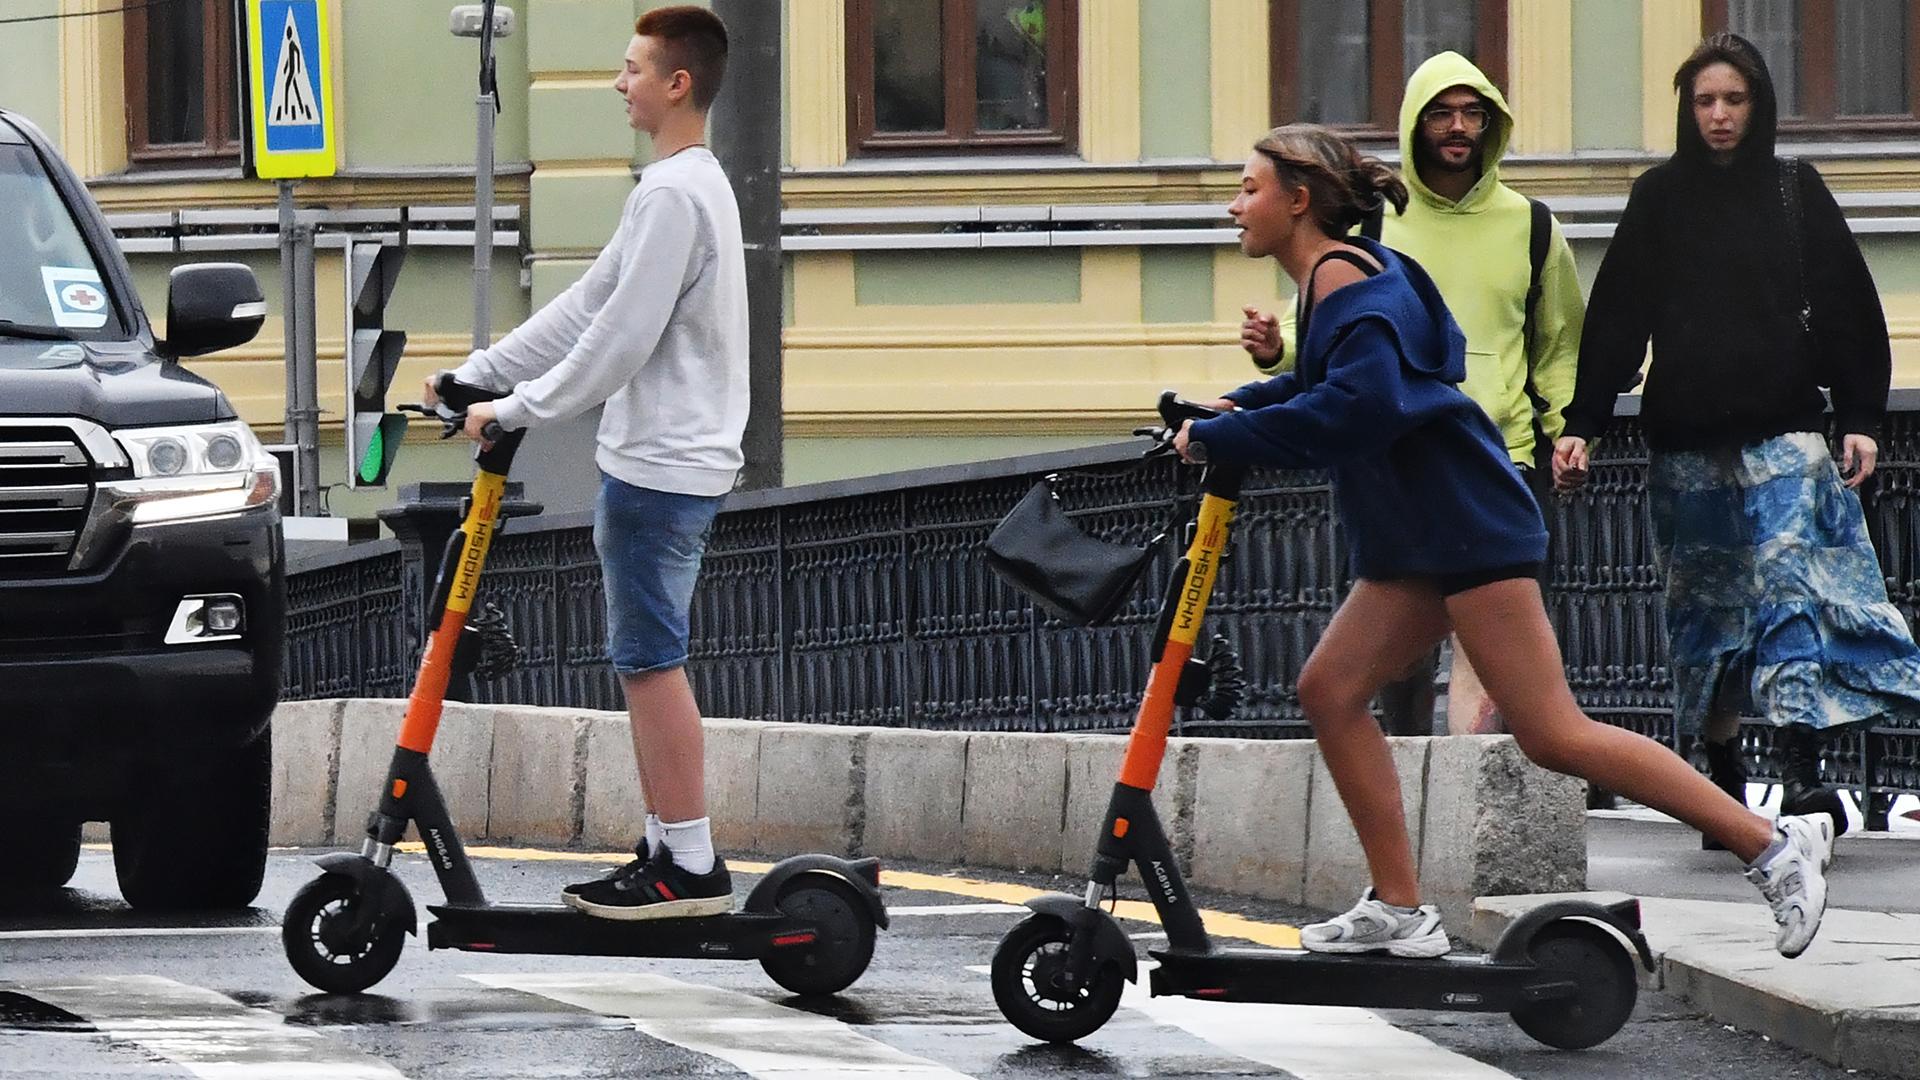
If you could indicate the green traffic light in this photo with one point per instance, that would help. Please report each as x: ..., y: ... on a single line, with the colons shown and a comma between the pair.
x: 371, y: 463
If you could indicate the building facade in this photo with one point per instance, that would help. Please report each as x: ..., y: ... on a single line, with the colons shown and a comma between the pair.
x: 1004, y: 219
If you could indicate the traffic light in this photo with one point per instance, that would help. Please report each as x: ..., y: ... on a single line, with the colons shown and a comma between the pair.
x: 373, y: 355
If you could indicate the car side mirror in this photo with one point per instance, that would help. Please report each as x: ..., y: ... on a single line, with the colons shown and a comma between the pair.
x: 211, y: 306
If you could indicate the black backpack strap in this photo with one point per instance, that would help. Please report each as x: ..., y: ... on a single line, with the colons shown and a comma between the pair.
x: 1539, y: 238
x: 1370, y: 225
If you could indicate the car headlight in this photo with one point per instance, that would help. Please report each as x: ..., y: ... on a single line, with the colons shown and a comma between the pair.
x: 193, y: 471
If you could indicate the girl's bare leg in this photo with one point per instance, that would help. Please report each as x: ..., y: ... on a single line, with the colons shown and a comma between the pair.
x: 1503, y: 627
x: 1380, y: 630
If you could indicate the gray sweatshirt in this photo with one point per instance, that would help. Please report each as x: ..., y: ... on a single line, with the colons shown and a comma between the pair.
x: 656, y: 329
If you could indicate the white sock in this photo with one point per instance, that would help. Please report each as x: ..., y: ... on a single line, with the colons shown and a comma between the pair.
x: 691, y: 844
x: 653, y: 833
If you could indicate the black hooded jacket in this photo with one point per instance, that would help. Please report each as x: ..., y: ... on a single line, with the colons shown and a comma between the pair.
x: 1701, y: 264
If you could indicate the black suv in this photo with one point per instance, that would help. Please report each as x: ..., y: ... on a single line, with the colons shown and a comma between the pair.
x: 142, y: 587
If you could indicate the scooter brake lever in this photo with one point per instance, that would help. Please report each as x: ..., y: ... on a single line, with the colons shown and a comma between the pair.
x: 1162, y: 441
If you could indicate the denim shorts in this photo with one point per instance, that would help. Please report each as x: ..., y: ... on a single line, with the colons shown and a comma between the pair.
x: 650, y: 544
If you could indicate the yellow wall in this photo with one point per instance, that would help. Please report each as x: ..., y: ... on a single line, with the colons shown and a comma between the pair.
x: 1090, y: 366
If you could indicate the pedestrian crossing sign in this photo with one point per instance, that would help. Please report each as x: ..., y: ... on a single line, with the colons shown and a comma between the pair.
x: 290, y: 83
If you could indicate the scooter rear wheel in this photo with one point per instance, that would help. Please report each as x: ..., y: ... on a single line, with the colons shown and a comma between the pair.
x: 311, y: 931
x: 844, y: 945
x: 1605, y: 974
x: 1025, y: 971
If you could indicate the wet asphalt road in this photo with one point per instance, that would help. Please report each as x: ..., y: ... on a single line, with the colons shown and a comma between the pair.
x: 90, y: 989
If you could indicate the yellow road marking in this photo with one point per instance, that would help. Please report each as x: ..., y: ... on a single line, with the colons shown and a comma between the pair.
x: 1219, y: 923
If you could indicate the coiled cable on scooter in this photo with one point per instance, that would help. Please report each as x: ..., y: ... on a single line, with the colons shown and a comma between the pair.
x: 486, y: 648
x: 1226, y: 682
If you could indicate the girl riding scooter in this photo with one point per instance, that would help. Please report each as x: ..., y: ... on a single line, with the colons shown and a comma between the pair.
x: 1445, y: 536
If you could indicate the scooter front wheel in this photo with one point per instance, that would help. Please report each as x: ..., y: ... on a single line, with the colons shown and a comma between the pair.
x: 1605, y: 974
x: 322, y: 941
x: 843, y: 942
x: 1029, y: 983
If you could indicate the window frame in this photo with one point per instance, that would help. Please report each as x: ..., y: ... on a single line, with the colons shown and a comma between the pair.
x: 1386, y: 56
x: 957, y: 62
x: 221, y: 91
x: 1820, y: 56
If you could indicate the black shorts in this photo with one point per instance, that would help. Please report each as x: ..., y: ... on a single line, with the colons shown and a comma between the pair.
x: 1454, y: 584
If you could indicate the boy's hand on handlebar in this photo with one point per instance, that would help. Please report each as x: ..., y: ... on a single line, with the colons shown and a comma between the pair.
x: 1190, y: 452
x: 429, y: 395
x: 1260, y: 335
x: 479, y: 415
x: 1569, y: 463
x: 1223, y: 405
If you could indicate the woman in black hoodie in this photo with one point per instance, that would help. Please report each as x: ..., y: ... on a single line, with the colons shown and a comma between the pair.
x: 1741, y: 269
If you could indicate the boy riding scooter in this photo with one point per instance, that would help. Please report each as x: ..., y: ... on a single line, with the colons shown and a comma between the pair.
x: 657, y: 331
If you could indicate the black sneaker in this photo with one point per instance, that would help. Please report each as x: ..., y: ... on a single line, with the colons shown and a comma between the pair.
x: 657, y: 890
x: 641, y: 857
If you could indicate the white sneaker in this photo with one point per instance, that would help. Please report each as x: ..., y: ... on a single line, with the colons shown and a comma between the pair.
x: 1373, y: 926
x: 1793, y: 879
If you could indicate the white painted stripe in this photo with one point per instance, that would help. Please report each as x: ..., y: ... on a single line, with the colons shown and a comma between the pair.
x: 958, y: 909
x: 750, y: 1033
x: 207, y: 1033
x: 139, y: 931
x: 1311, y: 1042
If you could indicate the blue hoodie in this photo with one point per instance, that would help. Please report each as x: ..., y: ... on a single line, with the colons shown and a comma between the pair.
x: 1421, y: 477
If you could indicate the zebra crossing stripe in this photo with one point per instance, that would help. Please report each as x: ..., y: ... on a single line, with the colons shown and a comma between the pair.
x: 1311, y: 1042
x: 203, y: 1031
x: 750, y: 1033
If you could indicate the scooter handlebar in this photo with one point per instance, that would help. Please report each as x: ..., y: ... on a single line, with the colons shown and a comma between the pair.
x: 1174, y: 412
x: 451, y: 410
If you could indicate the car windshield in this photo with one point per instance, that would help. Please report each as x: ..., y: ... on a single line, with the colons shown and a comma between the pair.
x: 49, y: 281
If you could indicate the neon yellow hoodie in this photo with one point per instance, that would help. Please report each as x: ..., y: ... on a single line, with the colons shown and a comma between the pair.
x: 1476, y: 252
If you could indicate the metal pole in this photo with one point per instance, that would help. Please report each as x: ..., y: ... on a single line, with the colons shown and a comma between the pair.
x: 486, y: 107
x: 745, y: 136
x: 483, y: 226
x: 289, y: 326
x: 308, y: 373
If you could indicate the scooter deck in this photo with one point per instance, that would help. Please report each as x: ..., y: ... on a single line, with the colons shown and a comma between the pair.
x: 554, y: 928
x: 1373, y: 980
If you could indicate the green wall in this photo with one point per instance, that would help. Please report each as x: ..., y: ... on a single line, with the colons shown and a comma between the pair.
x: 409, y: 87
x: 1176, y: 284
x: 1176, y: 116
x: 1606, y: 75
x: 434, y: 293
x: 30, y: 77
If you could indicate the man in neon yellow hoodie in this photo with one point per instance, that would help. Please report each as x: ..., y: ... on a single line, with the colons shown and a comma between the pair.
x: 1474, y: 235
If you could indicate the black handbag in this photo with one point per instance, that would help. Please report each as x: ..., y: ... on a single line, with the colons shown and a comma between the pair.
x: 1081, y: 580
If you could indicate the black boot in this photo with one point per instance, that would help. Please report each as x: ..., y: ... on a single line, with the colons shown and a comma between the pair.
x: 1727, y: 768
x: 1797, y: 750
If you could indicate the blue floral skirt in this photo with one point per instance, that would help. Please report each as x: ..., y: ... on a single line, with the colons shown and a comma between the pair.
x: 1773, y: 582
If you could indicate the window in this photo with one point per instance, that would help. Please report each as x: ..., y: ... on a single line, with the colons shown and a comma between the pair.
x: 182, y: 86
x: 1346, y: 64
x: 1849, y: 64
x: 960, y: 74
x: 48, y: 278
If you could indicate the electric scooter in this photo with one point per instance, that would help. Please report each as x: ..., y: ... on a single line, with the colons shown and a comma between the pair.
x: 810, y: 921
x: 1564, y: 970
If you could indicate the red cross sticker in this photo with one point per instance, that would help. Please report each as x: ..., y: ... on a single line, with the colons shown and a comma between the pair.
x: 82, y: 298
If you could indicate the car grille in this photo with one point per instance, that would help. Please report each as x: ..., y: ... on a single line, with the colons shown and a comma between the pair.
x: 46, y: 485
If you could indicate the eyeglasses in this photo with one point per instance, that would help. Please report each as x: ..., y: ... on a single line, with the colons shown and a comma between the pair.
x: 1440, y: 117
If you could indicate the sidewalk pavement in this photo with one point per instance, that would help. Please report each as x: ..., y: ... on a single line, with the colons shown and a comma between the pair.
x: 1853, y: 998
